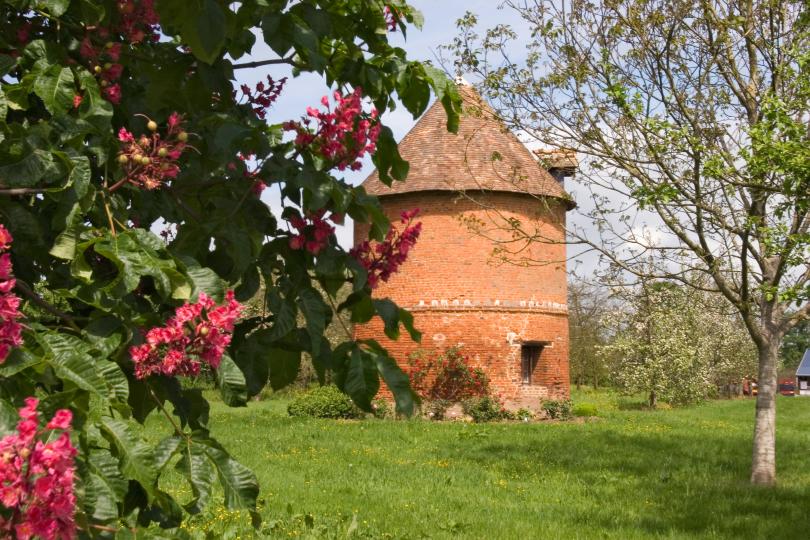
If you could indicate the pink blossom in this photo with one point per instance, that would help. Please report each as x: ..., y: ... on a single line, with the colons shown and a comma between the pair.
x: 197, y: 332
x: 313, y: 232
x: 112, y: 93
x: 343, y: 135
x: 382, y: 260
x: 37, y: 477
x: 150, y: 161
x: 10, y: 329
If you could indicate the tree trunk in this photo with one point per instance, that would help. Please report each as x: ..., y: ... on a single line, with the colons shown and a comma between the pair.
x: 653, y: 399
x: 763, y: 466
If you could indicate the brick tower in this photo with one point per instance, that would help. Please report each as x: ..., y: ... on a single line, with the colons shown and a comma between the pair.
x: 511, y: 319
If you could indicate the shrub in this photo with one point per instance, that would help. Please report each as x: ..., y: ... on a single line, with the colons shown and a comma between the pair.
x: 446, y: 376
x: 436, y: 409
x: 524, y: 415
x: 381, y: 408
x: 558, y: 409
x: 585, y: 409
x: 323, y: 402
x: 485, y: 409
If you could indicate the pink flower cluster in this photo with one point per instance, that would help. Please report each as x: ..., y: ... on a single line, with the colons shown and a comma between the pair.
x: 392, y: 18
x: 10, y: 329
x: 341, y: 137
x: 151, y: 160
x: 138, y: 21
x: 36, y: 478
x: 197, y: 333
x: 263, y: 97
x: 313, y: 231
x: 258, y: 185
x: 384, y: 258
x: 103, y: 61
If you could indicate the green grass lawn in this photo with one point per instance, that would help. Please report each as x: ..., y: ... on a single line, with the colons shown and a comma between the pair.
x: 679, y: 473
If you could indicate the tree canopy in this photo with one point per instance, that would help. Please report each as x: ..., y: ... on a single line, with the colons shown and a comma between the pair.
x: 121, y: 118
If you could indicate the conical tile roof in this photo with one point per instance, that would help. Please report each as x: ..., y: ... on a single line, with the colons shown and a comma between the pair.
x: 483, y: 155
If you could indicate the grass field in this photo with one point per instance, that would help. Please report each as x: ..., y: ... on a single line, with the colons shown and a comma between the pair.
x: 630, y: 474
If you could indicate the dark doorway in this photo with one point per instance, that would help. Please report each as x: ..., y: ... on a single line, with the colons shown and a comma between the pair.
x: 529, y: 358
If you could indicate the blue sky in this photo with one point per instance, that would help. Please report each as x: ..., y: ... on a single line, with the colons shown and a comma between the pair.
x: 306, y: 90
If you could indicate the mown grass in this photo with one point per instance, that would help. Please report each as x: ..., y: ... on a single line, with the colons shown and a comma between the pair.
x: 679, y: 473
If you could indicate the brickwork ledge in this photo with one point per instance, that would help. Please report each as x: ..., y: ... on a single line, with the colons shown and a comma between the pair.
x: 489, y: 305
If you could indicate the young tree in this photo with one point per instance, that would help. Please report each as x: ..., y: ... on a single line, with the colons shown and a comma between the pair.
x: 119, y: 116
x: 697, y: 113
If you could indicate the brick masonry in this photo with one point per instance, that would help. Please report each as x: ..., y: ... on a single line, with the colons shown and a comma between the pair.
x: 460, y: 294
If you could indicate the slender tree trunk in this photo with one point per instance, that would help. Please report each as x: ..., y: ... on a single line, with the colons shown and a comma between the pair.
x: 653, y: 399
x: 763, y: 466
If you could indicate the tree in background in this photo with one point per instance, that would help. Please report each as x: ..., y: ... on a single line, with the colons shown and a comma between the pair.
x: 796, y: 342
x: 117, y: 117
x: 588, y: 331
x: 696, y: 112
x: 676, y: 344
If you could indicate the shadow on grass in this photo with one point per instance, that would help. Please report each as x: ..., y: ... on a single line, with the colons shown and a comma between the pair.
x: 654, y: 483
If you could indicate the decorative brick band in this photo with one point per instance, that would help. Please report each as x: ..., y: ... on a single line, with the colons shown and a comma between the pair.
x: 490, y: 305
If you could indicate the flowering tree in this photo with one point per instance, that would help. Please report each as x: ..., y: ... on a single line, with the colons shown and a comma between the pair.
x: 117, y: 117
x: 677, y: 344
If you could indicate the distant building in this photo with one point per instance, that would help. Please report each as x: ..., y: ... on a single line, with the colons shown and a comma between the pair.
x: 803, y: 375
x: 511, y: 319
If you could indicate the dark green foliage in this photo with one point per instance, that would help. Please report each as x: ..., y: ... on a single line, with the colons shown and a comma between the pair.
x: 485, y: 409
x: 84, y: 247
x: 558, y: 409
x: 323, y: 402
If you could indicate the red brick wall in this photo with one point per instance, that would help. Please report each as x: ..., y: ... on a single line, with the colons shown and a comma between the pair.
x: 459, y: 292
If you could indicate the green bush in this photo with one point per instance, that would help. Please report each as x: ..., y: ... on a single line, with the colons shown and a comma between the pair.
x: 323, y: 402
x: 524, y: 415
x: 585, y: 409
x: 381, y: 408
x: 558, y: 409
x: 485, y: 409
x: 436, y: 409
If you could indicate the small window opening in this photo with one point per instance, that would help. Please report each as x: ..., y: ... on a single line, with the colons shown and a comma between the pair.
x: 529, y: 358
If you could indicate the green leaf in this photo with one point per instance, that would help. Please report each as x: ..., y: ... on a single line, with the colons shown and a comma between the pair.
x: 398, y: 382
x: 202, y: 280
x: 106, y: 487
x: 9, y: 417
x: 136, y: 458
x: 166, y: 449
x: 389, y: 313
x: 56, y: 88
x: 204, y: 31
x: 197, y: 466
x: 284, y: 366
x: 275, y: 33
x: 317, y: 315
x: 387, y: 159
x: 55, y: 7
x: 238, y: 483
x: 406, y: 318
x: 114, y: 379
x: 284, y: 315
x: 231, y: 383
x: 27, y: 171
x: 359, y: 378
x: 7, y: 63
x: 70, y: 360
x: 18, y: 360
